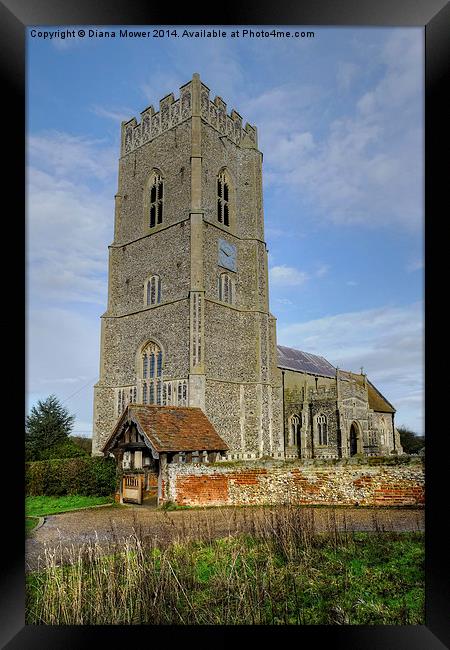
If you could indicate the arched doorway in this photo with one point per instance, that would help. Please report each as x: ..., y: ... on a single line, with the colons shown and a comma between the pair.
x: 354, y: 439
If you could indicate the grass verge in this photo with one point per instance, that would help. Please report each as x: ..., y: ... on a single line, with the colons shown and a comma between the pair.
x: 30, y: 524
x: 40, y: 506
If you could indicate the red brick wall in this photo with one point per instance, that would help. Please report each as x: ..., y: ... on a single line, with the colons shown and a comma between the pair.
x: 382, y: 485
x: 202, y: 490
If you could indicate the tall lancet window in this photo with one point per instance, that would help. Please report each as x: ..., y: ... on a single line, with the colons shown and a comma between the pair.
x: 151, y: 374
x: 294, y: 430
x: 323, y: 430
x: 156, y: 199
x: 152, y: 291
x: 223, y: 198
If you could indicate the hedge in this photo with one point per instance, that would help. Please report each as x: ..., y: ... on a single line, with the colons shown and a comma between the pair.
x: 86, y: 476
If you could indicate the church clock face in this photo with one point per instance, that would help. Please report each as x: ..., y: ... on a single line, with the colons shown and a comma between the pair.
x: 227, y: 255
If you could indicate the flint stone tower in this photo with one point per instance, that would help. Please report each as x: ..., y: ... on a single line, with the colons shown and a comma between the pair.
x: 188, y: 321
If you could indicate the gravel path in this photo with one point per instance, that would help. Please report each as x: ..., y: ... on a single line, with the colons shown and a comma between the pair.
x: 108, y: 526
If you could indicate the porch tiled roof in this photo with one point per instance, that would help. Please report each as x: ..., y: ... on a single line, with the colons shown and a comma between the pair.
x: 170, y: 428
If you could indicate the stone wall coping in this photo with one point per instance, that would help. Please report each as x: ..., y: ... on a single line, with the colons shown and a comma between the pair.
x: 287, y: 465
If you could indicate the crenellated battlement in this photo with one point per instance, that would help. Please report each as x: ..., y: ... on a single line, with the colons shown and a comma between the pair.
x: 194, y: 99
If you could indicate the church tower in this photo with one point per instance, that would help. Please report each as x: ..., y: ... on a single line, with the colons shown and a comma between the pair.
x: 188, y: 321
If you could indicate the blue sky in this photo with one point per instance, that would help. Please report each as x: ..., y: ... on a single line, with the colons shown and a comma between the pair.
x: 340, y: 124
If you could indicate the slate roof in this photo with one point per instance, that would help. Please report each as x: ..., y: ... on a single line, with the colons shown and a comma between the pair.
x: 169, y: 428
x: 292, y: 359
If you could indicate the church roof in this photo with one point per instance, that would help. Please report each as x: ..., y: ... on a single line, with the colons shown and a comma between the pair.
x: 292, y: 359
x: 377, y: 401
x: 169, y: 428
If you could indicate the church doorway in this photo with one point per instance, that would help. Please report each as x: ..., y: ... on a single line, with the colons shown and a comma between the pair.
x: 354, y: 439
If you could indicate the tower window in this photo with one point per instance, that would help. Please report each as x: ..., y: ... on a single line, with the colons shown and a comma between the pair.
x: 223, y: 208
x: 156, y: 200
x: 322, y: 427
x: 124, y: 397
x: 226, y: 288
x: 153, y: 291
x: 151, y: 374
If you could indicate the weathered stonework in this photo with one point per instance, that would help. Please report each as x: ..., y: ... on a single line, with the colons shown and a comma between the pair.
x: 225, y: 350
x: 188, y: 298
x: 349, y: 403
x: 308, y: 483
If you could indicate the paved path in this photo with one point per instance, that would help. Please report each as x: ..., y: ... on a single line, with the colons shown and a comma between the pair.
x: 111, y: 525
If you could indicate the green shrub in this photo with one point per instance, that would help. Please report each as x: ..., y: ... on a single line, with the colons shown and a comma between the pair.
x: 64, y: 449
x: 84, y: 443
x: 84, y: 475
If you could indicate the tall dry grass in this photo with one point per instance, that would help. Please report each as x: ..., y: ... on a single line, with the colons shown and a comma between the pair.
x: 277, y: 570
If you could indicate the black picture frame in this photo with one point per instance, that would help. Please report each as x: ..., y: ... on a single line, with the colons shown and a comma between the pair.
x: 434, y: 17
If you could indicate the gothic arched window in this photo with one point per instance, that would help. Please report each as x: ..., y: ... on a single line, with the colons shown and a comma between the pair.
x: 294, y: 430
x: 323, y: 430
x: 223, y: 199
x: 226, y: 288
x: 151, y: 374
x: 156, y: 199
x: 153, y: 290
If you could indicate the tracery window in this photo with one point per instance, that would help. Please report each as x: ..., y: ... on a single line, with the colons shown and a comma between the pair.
x: 125, y: 396
x: 175, y: 393
x: 151, y: 374
x: 223, y: 193
x: 372, y: 437
x: 153, y: 290
x: 226, y: 288
x: 323, y: 429
x: 156, y: 200
x: 294, y: 430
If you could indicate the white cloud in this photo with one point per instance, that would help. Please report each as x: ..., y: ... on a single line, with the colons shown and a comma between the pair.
x: 71, y: 157
x: 387, y: 342
x: 284, y: 301
x: 346, y: 73
x: 70, y: 211
x: 367, y: 167
x: 63, y: 349
x: 117, y: 114
x: 68, y: 230
x: 69, y: 219
x: 287, y: 276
